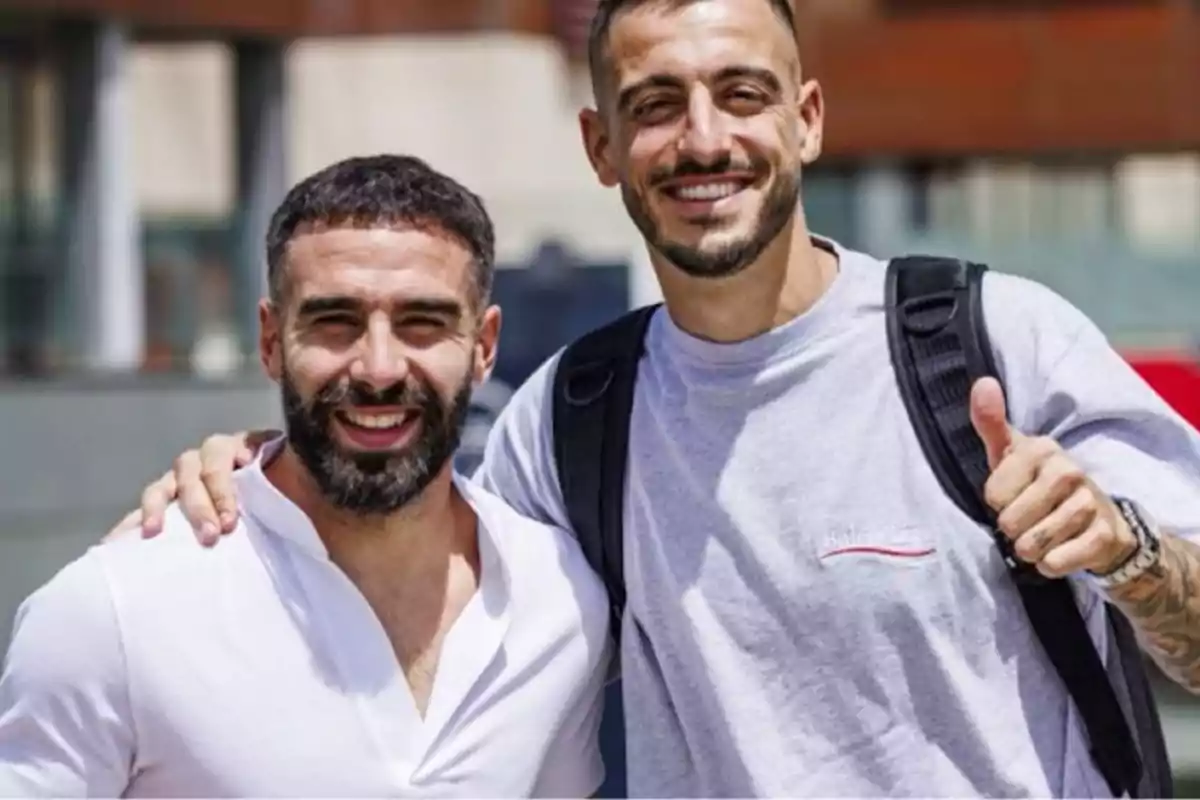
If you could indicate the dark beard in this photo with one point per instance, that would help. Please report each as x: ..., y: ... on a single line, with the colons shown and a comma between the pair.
x: 778, y: 209
x: 373, y: 483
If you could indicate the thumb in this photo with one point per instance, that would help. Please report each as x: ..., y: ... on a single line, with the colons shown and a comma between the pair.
x: 989, y: 416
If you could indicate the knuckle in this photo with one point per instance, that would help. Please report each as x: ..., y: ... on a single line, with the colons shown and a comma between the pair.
x: 216, y: 442
x: 1104, y: 533
x: 1064, y: 475
x: 1043, y: 446
x: 993, y: 496
x: 1081, y: 510
x: 186, y: 462
x: 1054, y: 566
x: 152, y: 495
x: 1027, y: 548
x: 211, y: 474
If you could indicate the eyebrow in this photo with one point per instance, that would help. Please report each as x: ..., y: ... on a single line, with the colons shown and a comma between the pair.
x: 424, y: 305
x: 662, y: 81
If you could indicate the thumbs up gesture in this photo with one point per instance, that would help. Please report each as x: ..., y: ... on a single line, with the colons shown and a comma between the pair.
x: 1056, y: 517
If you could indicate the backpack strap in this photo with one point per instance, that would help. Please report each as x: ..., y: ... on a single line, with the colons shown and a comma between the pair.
x: 939, y: 348
x: 1128, y: 663
x: 592, y: 406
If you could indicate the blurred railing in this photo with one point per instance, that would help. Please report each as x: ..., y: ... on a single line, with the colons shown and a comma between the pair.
x: 1141, y: 299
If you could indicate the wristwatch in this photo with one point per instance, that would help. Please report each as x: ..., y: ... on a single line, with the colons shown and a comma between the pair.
x: 1147, y: 553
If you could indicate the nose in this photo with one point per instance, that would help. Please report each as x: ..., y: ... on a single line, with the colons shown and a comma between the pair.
x: 705, y: 136
x: 383, y: 360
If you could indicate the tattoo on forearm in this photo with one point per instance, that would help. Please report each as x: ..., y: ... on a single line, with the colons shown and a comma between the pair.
x: 1164, y: 605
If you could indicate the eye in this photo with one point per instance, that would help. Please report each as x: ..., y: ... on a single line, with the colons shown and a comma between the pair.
x: 745, y: 100
x: 654, y: 111
x: 424, y: 322
x: 335, y: 321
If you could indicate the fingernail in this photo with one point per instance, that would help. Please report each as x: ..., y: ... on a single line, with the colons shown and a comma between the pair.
x: 227, y: 521
x: 208, y: 534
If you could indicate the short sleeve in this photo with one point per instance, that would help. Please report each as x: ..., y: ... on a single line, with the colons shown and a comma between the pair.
x: 65, y: 723
x: 1068, y: 381
x: 518, y: 462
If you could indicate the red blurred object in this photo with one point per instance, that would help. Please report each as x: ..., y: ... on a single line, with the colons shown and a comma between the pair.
x: 1175, y: 376
x: 570, y: 20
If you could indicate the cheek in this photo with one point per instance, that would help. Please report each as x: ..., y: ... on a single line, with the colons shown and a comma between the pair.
x: 446, y: 365
x: 648, y: 152
x: 311, y: 368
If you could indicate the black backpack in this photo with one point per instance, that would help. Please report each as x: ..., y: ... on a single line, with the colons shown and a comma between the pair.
x: 939, y: 347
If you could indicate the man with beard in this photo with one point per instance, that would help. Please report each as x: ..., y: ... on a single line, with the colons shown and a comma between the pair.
x: 376, y: 626
x: 808, y: 613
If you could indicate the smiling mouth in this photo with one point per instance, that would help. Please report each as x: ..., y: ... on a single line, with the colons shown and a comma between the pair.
x: 707, y: 192
x: 371, y: 430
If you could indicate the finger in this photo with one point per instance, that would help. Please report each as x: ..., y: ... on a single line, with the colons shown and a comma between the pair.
x: 194, y: 500
x: 254, y: 440
x: 155, y: 499
x: 1057, y: 479
x: 131, y: 521
x: 989, y: 417
x: 218, y: 460
x: 1066, y: 522
x: 1084, y: 551
x: 1017, y: 471
x: 251, y: 443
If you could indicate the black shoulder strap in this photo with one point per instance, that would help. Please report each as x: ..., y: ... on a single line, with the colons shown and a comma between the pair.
x: 593, y: 401
x: 939, y: 348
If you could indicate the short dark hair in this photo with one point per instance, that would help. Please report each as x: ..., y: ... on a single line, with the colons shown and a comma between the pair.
x: 608, y: 10
x: 382, y: 190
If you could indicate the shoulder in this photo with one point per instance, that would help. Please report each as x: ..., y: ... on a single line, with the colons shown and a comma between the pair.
x: 1035, y: 333
x: 176, y: 546
x: 172, y: 568
x: 540, y: 558
x: 75, y: 622
x: 66, y: 639
x: 518, y: 462
x: 528, y: 410
x: 1016, y: 305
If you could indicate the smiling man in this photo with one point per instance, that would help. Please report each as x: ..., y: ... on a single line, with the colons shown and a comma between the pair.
x: 376, y: 626
x: 804, y: 609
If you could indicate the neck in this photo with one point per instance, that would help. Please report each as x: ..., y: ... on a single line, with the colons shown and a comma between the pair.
x: 786, y: 280
x: 424, y: 535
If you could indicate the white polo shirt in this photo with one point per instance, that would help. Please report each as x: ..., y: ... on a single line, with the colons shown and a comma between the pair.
x: 256, y: 669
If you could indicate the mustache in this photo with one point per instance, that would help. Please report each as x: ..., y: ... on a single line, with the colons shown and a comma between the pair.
x: 691, y: 168
x: 360, y: 394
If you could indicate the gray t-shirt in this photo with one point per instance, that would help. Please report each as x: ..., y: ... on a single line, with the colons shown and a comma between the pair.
x: 808, y: 613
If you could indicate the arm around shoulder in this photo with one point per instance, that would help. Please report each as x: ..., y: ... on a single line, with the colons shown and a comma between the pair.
x: 65, y: 722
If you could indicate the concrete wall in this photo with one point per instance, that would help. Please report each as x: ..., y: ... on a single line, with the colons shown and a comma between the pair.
x: 74, y: 456
x: 496, y: 111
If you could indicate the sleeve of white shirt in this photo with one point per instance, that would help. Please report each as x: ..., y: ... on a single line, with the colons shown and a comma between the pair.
x: 65, y: 723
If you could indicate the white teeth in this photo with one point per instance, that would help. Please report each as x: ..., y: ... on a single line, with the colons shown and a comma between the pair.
x: 707, y: 191
x: 376, y: 421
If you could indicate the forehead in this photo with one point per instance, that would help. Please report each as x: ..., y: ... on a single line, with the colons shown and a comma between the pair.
x: 697, y: 38
x: 378, y: 263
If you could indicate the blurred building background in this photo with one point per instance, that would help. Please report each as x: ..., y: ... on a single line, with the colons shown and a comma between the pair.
x: 143, y: 145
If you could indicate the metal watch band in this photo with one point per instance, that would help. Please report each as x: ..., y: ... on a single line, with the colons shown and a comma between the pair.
x: 1144, y: 556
